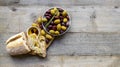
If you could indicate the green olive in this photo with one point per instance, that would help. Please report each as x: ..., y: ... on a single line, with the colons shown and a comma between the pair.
x: 34, y: 24
x: 55, y: 9
x: 52, y: 31
x: 58, y: 14
x: 57, y: 21
x: 52, y: 11
x: 39, y: 20
x: 34, y: 30
x: 33, y: 35
x: 63, y: 27
x: 44, y: 19
x: 57, y: 32
x: 65, y: 20
x: 49, y: 36
x: 42, y: 32
x: 64, y: 13
x: 59, y: 27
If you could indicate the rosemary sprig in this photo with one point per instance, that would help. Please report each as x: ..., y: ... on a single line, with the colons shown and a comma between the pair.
x: 51, y: 19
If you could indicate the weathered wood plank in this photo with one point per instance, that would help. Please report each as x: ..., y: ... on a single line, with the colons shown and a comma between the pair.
x: 92, y: 61
x: 61, y: 2
x: 24, y: 16
x: 84, y: 19
x: 9, y: 22
x: 30, y: 61
x: 61, y: 61
x: 78, y: 44
x: 80, y: 18
x: 107, y: 19
x: 86, y: 44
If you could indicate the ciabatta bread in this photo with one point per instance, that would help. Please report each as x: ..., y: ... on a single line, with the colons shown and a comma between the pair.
x: 17, y: 44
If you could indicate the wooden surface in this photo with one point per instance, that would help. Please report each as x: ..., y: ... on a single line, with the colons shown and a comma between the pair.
x: 92, y: 41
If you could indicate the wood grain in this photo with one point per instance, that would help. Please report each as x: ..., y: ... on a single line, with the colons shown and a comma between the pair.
x: 84, y: 19
x: 62, y: 2
x: 94, y: 32
x: 61, y: 61
x: 78, y: 44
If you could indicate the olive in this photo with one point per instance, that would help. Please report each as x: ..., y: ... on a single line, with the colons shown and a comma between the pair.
x: 39, y: 20
x: 57, y: 32
x: 44, y: 19
x: 59, y: 27
x: 50, y: 26
x: 49, y: 36
x: 34, y: 30
x: 48, y: 17
x: 64, y: 13
x: 68, y: 17
x: 52, y: 31
x: 52, y: 11
x: 52, y: 23
x: 57, y: 21
x: 55, y: 9
x: 42, y: 32
x: 61, y: 17
x: 46, y: 14
x: 61, y: 10
x: 33, y: 35
x: 41, y: 26
x: 63, y: 27
x: 54, y: 27
x: 56, y: 17
x: 65, y: 20
x: 30, y: 32
x: 58, y: 14
x: 34, y: 24
x: 61, y: 31
x: 67, y: 24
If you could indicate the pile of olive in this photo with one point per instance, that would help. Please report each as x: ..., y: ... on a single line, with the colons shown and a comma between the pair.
x: 57, y: 21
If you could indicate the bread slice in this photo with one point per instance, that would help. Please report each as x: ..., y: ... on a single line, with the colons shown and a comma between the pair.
x: 17, y: 44
x: 36, y: 42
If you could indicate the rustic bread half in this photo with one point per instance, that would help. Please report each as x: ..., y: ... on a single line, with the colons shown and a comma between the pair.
x: 36, y: 42
x: 17, y: 44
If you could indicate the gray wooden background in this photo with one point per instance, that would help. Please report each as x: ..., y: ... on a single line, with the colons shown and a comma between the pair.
x: 92, y: 41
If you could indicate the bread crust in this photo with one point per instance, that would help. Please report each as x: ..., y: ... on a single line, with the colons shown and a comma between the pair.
x: 36, y: 42
x: 17, y: 44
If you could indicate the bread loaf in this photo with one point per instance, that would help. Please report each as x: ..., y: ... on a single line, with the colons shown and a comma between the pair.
x: 17, y: 44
